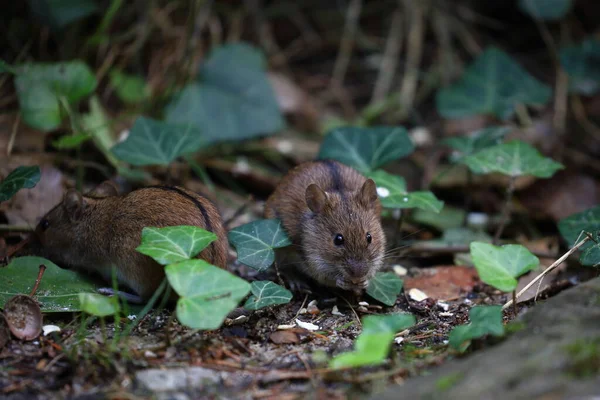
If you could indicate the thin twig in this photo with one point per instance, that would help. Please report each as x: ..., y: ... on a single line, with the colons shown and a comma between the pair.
x: 13, y: 135
x: 347, y: 44
x: 506, y: 209
x: 414, y: 51
x: 390, y: 59
x: 548, y: 270
x: 38, y: 279
x: 15, y: 228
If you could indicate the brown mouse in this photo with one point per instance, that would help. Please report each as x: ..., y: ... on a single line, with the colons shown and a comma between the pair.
x: 101, y: 229
x: 332, y: 215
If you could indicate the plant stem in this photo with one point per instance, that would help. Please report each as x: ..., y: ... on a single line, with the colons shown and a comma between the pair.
x: 38, y: 280
x: 399, y: 225
x: 506, y: 209
x: 548, y: 270
x: 514, y: 300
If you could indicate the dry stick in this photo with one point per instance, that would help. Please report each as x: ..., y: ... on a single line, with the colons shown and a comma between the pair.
x: 38, y: 279
x: 13, y: 135
x: 548, y: 270
x: 389, y: 63
x: 347, y: 43
x: 413, y: 56
x: 506, y: 210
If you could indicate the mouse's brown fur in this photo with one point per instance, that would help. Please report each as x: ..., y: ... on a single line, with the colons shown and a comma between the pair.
x: 318, y: 200
x: 102, y: 229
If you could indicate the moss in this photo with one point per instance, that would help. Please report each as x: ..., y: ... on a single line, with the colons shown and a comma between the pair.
x: 515, y: 326
x: 446, y: 382
x: 584, y: 357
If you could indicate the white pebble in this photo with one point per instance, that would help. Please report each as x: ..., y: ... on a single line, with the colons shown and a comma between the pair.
x: 400, y: 270
x: 335, y: 311
x: 284, y: 327
x: 313, y: 303
x: 446, y: 314
x: 443, y: 306
x: 285, y: 146
x: 47, y: 329
x: 398, y: 340
x: 307, y: 325
x: 417, y: 295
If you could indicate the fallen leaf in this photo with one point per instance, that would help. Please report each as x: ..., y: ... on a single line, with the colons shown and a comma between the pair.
x: 443, y: 282
x: 287, y: 337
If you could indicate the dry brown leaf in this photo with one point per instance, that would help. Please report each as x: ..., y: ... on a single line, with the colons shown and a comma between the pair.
x: 443, y: 282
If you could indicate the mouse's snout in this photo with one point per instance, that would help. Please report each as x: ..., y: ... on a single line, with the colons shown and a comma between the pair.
x: 357, y: 271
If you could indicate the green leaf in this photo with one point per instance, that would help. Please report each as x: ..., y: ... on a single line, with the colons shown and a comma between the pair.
x: 484, y: 320
x: 385, y: 287
x: 366, y: 148
x: 494, y: 84
x: 131, y: 89
x: 59, y: 13
x: 97, y: 124
x: 549, y: 10
x: 98, y: 305
x: 591, y: 255
x: 581, y: 64
x: 514, y: 159
x: 267, y: 293
x: 373, y: 344
x: 255, y: 241
x: 40, y: 88
x: 19, y: 178
x: 6, y: 67
x: 571, y: 229
x: 173, y: 244
x: 499, y: 266
x: 208, y: 293
x: 478, y: 140
x: 70, y: 141
x: 152, y: 142
x: 58, y: 291
x: 448, y: 217
x: 232, y: 99
x: 392, y: 193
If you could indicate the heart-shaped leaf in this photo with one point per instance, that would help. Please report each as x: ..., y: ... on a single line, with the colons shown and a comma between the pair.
x: 58, y: 291
x: 267, y: 293
x: 571, y: 229
x: 500, y: 266
x: 19, y: 178
x: 484, y: 320
x: 514, y: 159
x: 373, y: 344
x: 494, y: 84
x: 232, y: 99
x: 174, y: 244
x: 366, y: 148
x: 385, y: 287
x: 131, y: 89
x: 549, y: 10
x: 478, y: 140
x: 98, y: 305
x: 582, y: 65
x: 59, y: 13
x: 152, y: 142
x: 208, y: 293
x: 591, y: 255
x: 40, y: 88
x: 255, y: 241
x: 392, y: 193
x: 448, y: 217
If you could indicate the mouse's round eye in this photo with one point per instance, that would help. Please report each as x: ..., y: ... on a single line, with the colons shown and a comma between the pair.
x: 338, y: 240
x: 369, y: 237
x: 44, y: 224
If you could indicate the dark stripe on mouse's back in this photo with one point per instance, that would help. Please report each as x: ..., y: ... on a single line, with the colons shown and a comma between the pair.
x: 198, y: 204
x: 335, y: 174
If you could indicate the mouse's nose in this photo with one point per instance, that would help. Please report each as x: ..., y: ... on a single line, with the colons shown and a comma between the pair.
x: 357, y: 271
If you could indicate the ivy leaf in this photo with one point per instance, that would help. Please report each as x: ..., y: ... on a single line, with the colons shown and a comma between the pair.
x: 255, y: 241
x: 40, y: 88
x: 514, y: 159
x: 98, y: 305
x: 571, y: 229
x: 208, y: 293
x: 59, y: 13
x: 267, y: 293
x: 591, y: 255
x: 448, y: 217
x: 500, y: 266
x: 385, y: 287
x: 548, y: 10
x: 232, y: 98
x: 173, y: 244
x: 19, y: 178
x: 131, y: 89
x: 478, y: 140
x: 494, y: 84
x: 373, y: 344
x: 58, y: 291
x: 392, y: 193
x: 71, y: 141
x: 484, y: 320
x: 366, y: 148
x: 582, y: 64
x: 152, y: 142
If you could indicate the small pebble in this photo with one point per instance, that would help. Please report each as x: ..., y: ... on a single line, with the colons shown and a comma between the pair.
x: 284, y: 327
x: 443, y: 306
x: 303, y: 311
x: 149, y: 354
x: 312, y: 303
x: 363, y: 303
x: 446, y: 314
x: 398, y: 340
x: 47, y: 329
x: 362, y: 309
x: 307, y: 325
x: 400, y: 270
x: 313, y: 309
x: 417, y: 295
x: 335, y: 311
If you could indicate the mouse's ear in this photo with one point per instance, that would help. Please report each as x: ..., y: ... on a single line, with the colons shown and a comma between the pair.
x: 367, y: 195
x: 316, y: 198
x: 73, y: 203
x: 105, y: 189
